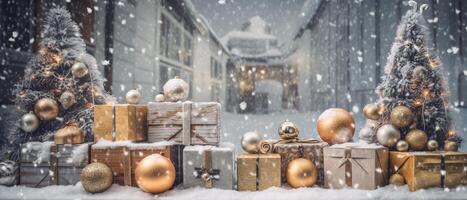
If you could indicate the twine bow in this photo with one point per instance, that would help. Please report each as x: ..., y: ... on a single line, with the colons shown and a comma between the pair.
x: 206, y: 173
x: 267, y: 146
x: 348, y: 162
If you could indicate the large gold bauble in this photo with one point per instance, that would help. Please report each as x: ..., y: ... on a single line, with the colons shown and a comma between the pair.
x: 450, y: 146
x: 401, y: 116
x: 96, y: 177
x: 432, y: 145
x: 46, y: 109
x: 155, y: 174
x: 288, y: 130
x: 250, y: 142
x: 372, y: 111
x: 176, y: 89
x: 397, y: 179
x: 402, y: 145
x: 336, y: 125
x: 70, y: 134
x: 301, y: 172
x: 417, y: 139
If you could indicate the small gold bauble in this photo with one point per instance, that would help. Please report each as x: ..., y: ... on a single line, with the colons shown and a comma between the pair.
x: 79, y: 70
x: 29, y: 122
x: 397, y: 179
x: 96, y: 177
x: 133, y: 96
x: 250, y: 142
x: 67, y: 99
x: 159, y: 98
x: 176, y: 89
x: 417, y: 139
x: 372, y: 111
x: 402, y: 145
x: 288, y: 130
x: 401, y: 116
x: 301, y: 172
x: 450, y: 146
x: 70, y: 134
x: 46, y: 109
x: 388, y: 135
x: 432, y: 145
x: 155, y: 174
x: 336, y: 125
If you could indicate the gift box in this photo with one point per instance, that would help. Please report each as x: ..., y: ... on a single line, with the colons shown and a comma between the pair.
x: 361, y: 166
x: 208, y: 166
x: 430, y: 169
x: 184, y: 122
x: 44, y: 164
x: 258, y: 171
x: 309, y: 149
x: 120, y: 122
x: 123, y: 157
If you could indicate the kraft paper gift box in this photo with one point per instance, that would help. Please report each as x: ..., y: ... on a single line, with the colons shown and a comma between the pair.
x: 310, y: 149
x: 209, y: 167
x: 185, y: 123
x: 123, y: 157
x: 120, y: 122
x: 356, y: 165
x: 44, y: 163
x: 258, y: 171
x: 430, y: 169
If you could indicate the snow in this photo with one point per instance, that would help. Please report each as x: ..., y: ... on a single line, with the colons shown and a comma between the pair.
x: 42, y: 149
x: 106, y: 144
x: 245, y: 35
x: 359, y: 144
x: 80, y: 153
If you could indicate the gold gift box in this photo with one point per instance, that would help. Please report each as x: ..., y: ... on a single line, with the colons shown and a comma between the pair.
x: 258, y: 171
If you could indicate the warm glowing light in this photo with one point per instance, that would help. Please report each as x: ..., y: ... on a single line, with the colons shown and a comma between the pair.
x: 426, y: 93
x: 451, y: 133
x: 418, y: 102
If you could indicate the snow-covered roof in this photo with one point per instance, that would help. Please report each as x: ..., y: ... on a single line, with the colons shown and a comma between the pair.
x: 257, y: 25
x: 245, y: 35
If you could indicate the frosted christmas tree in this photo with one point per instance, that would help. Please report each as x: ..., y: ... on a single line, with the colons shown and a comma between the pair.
x: 60, y: 87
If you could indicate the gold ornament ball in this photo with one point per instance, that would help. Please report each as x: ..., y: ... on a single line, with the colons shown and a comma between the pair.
x: 133, y: 96
x: 67, y: 99
x: 336, y: 125
x: 401, y: 116
x: 250, y: 142
x: 29, y: 122
x: 155, y: 174
x: 79, y: 70
x: 451, y: 146
x: 371, y: 111
x: 417, y: 139
x: 388, y: 135
x: 176, y: 89
x: 70, y: 134
x: 397, y: 179
x: 159, y: 98
x: 46, y: 109
x: 301, y: 172
x: 402, y: 145
x: 288, y: 130
x: 96, y: 177
x: 432, y: 145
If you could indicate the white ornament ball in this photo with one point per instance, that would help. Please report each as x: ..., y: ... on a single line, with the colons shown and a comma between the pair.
x: 368, y: 135
x: 133, y: 96
x: 29, y: 122
x: 250, y: 142
x: 388, y: 135
x: 176, y: 89
x: 79, y: 70
x: 159, y: 98
x: 67, y: 99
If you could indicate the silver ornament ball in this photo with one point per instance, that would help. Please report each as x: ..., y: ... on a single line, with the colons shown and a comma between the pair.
x: 133, y: 96
x: 67, y: 99
x: 29, y: 122
x: 402, y: 145
x: 159, y: 98
x: 250, y: 141
x: 388, y: 135
x: 367, y: 134
x: 79, y: 70
x: 432, y: 145
x: 176, y: 89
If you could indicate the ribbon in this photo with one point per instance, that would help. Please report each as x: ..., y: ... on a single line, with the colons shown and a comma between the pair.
x: 206, y: 173
x: 187, y: 131
x: 267, y: 146
x: 348, y: 162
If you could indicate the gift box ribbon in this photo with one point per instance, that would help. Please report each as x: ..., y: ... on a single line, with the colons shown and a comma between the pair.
x: 267, y: 146
x: 206, y: 173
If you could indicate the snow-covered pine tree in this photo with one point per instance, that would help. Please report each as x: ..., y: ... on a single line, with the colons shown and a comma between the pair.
x: 60, y: 86
x: 413, y: 78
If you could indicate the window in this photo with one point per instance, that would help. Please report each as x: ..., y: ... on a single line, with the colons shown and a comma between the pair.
x: 216, y: 69
x: 463, y: 89
x: 175, y: 40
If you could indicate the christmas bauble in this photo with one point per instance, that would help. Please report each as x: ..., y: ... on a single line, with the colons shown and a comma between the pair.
x: 51, y: 57
x: 155, y: 174
x: 288, y: 130
x: 29, y: 122
x: 46, y: 109
x: 371, y: 111
x: 159, y: 98
x: 133, y: 96
x: 67, y: 99
x: 397, y: 179
x: 402, y: 145
x: 79, y: 70
x: 417, y: 139
x: 8, y: 172
x: 301, y: 172
x: 432, y: 145
x: 96, y: 177
x: 70, y: 134
x: 401, y: 116
x: 450, y: 146
x: 176, y: 89
x: 368, y: 135
x: 388, y: 135
x: 335, y: 125
x: 250, y: 142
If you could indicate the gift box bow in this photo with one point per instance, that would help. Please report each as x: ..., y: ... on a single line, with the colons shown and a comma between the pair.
x: 206, y: 173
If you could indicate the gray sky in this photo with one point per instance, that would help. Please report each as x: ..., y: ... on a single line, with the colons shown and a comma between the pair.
x: 227, y: 15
